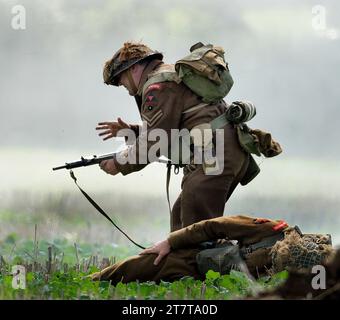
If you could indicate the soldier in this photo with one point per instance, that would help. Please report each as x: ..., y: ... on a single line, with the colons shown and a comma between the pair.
x: 171, y: 105
x: 263, y: 244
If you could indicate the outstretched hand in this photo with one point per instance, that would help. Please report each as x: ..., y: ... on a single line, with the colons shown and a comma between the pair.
x: 111, y: 128
x: 161, y: 248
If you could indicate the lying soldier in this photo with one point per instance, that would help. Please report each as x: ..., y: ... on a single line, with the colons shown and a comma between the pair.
x: 210, y: 244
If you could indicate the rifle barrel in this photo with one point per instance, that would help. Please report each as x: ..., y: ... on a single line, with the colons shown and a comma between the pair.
x: 83, y: 162
x: 58, y: 168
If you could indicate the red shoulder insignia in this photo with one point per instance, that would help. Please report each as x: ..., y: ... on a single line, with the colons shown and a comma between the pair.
x: 280, y: 225
x: 155, y: 86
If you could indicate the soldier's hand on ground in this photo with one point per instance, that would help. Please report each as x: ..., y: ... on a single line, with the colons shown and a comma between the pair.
x: 110, y: 129
x: 109, y: 167
x: 161, y: 248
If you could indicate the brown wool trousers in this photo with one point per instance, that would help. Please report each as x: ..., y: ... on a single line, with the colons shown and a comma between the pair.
x: 175, y: 265
x: 204, y: 196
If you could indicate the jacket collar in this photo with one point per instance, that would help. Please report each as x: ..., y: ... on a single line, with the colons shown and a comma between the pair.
x: 153, y: 64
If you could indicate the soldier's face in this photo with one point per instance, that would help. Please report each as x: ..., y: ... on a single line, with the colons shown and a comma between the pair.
x: 136, y: 74
x: 124, y: 81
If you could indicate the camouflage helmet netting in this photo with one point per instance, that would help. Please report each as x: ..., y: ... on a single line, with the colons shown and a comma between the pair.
x: 301, y: 252
x: 132, y: 50
x: 130, y: 54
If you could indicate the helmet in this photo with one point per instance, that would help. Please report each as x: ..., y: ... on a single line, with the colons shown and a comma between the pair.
x: 130, y: 54
x: 301, y: 251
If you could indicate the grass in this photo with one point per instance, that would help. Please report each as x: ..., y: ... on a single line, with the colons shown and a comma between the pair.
x: 58, y: 270
x: 72, y: 241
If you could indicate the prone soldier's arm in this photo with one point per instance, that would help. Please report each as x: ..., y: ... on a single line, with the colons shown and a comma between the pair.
x: 242, y: 228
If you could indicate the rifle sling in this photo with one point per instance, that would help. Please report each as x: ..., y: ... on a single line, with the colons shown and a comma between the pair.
x: 168, y: 175
x: 101, y: 210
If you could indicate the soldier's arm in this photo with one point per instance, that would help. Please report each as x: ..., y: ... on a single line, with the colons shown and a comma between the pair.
x: 161, y: 109
x: 242, y: 228
x: 111, y: 129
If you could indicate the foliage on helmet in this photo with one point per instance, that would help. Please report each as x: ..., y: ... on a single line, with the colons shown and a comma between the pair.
x: 130, y: 54
x: 298, y: 251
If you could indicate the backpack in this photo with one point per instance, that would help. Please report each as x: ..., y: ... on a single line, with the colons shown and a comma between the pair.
x: 204, y: 71
x: 226, y: 256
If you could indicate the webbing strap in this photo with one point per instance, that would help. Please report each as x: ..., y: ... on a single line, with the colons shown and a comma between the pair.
x: 196, y: 107
x: 265, y: 243
x: 101, y: 210
x: 161, y: 76
x: 219, y: 122
x: 132, y: 82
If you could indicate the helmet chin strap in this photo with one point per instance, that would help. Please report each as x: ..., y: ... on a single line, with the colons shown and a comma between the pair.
x: 131, y: 82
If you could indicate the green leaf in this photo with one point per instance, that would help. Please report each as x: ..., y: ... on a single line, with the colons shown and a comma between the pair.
x: 228, y: 283
x: 29, y: 276
x: 104, y: 284
x: 212, y: 275
x: 240, y: 277
x: 278, y: 278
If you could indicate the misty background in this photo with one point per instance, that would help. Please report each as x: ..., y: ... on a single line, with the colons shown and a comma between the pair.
x: 52, y: 97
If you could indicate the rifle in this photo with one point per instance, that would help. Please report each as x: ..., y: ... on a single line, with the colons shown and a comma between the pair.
x: 84, y: 162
